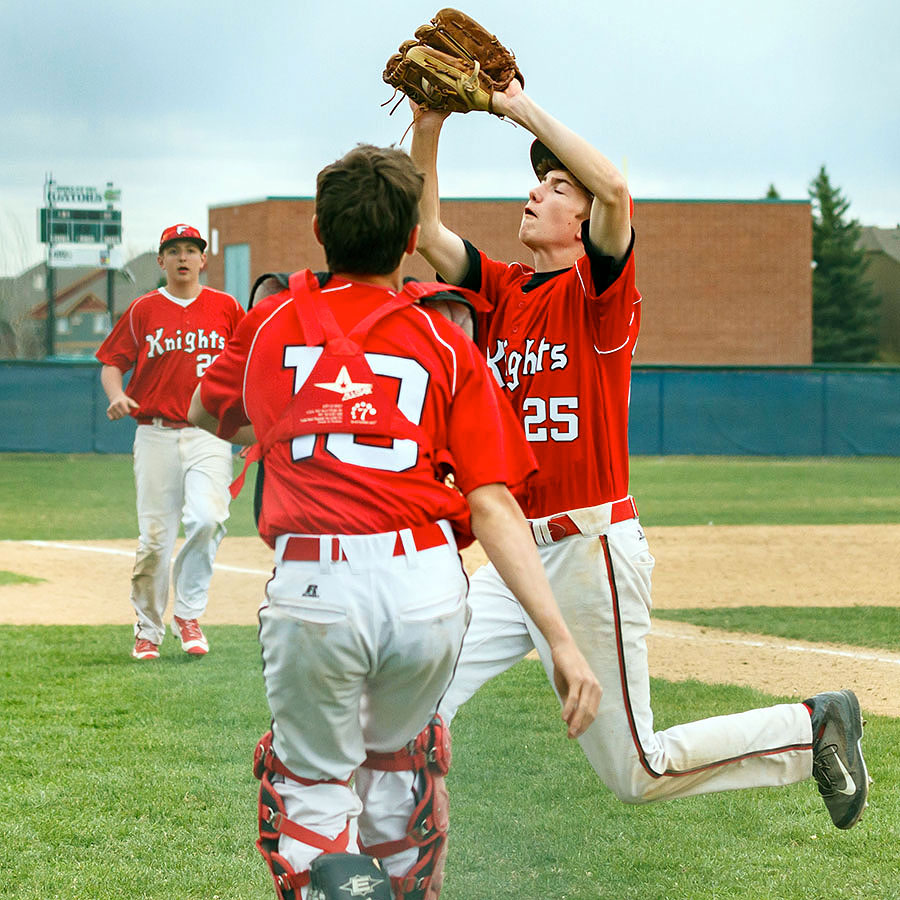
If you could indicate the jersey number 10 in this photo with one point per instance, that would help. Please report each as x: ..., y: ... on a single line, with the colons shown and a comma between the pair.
x: 403, y: 453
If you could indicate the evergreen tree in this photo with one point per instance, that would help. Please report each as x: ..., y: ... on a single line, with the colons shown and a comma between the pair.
x: 772, y: 193
x: 845, y: 310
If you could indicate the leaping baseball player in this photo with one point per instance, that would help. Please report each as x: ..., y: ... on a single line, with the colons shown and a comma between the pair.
x: 559, y: 342
x: 169, y: 337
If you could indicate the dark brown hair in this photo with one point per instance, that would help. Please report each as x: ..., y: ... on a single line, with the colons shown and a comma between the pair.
x: 548, y: 164
x: 367, y: 204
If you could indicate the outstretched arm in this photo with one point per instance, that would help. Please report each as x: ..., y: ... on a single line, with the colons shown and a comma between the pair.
x: 610, y: 227
x: 442, y: 248
x: 505, y: 536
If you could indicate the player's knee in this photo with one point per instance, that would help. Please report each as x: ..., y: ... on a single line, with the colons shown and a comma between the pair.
x: 147, y: 560
x: 155, y: 539
x: 630, y: 794
x: 204, y: 525
x: 631, y: 785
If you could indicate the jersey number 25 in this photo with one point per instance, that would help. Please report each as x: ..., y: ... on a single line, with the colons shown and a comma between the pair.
x: 556, y: 411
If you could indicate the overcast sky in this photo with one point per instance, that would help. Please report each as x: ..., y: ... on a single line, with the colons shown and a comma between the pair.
x: 201, y: 103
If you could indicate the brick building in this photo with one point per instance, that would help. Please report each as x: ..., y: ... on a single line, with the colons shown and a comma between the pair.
x: 724, y: 282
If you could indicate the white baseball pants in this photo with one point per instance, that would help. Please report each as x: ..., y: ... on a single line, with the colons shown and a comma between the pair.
x: 356, y: 656
x: 601, y: 581
x: 182, y: 476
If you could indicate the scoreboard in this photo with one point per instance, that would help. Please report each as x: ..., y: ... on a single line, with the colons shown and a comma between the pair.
x: 81, y: 226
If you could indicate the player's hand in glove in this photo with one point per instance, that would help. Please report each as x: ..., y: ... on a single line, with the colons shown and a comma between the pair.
x: 577, y: 686
x: 453, y: 64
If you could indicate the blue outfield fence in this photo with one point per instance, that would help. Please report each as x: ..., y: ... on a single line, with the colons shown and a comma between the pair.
x: 59, y: 407
x: 815, y: 411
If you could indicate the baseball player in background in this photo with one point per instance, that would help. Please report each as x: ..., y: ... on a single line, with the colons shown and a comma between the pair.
x: 359, y: 399
x: 168, y: 337
x: 560, y: 342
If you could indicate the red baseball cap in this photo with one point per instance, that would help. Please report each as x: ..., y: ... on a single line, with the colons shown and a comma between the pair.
x: 181, y: 232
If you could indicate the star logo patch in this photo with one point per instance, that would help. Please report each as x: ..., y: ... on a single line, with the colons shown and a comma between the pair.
x: 345, y: 386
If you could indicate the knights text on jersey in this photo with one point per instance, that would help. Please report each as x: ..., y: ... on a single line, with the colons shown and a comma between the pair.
x: 350, y: 483
x: 562, y: 353
x: 169, y: 343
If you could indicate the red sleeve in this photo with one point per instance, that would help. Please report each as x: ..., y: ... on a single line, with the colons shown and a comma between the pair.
x: 613, y: 308
x: 119, y: 349
x: 222, y: 385
x: 484, y: 436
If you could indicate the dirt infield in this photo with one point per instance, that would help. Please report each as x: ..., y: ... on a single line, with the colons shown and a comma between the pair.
x: 87, y: 583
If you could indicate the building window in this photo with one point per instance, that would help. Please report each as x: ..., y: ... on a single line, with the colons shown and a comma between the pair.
x: 101, y: 323
x: 62, y: 326
x: 237, y: 272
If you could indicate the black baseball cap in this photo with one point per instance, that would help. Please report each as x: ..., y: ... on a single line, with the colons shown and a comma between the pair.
x: 540, y: 153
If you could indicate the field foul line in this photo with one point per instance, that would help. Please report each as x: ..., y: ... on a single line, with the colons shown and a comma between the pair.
x: 767, y: 645
x: 113, y: 552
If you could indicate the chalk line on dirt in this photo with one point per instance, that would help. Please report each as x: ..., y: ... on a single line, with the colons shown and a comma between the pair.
x: 114, y: 552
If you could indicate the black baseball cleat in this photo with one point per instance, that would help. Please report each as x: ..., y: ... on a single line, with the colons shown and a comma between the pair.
x: 838, y: 764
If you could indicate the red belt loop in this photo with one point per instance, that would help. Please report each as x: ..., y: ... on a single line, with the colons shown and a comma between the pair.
x: 623, y: 510
x: 165, y: 423
x: 562, y: 526
x: 306, y: 548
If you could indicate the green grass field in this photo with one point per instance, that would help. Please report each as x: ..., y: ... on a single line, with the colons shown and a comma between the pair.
x: 71, y: 497
x: 124, y: 780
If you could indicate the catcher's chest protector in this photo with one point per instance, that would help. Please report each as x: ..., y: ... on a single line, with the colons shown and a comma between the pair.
x: 341, y: 393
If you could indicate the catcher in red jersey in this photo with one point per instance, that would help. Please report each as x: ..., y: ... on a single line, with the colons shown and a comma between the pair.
x: 169, y: 337
x: 360, y: 401
x: 559, y: 342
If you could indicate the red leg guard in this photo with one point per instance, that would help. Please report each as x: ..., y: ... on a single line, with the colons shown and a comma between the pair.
x: 273, y: 822
x: 429, y: 756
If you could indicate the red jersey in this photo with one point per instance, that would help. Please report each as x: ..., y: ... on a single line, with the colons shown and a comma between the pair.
x: 340, y: 483
x: 560, y: 345
x: 169, y: 342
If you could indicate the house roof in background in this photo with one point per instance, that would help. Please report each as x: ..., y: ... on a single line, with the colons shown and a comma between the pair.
x: 884, y: 240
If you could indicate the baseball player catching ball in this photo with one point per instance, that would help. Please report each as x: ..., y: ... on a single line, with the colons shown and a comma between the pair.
x: 360, y: 399
x: 559, y: 343
x: 169, y: 337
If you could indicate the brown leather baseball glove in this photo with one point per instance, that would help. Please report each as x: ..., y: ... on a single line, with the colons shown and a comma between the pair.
x: 453, y: 64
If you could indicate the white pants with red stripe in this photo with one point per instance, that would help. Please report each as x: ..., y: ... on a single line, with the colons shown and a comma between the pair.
x: 602, y: 584
x: 182, y: 476
x: 356, y: 656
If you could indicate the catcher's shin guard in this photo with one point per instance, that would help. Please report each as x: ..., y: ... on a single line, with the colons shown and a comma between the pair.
x: 273, y: 822
x: 428, y: 755
x: 337, y: 876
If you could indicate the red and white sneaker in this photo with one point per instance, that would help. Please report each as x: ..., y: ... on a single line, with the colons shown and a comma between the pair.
x: 144, y: 649
x: 193, y: 640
